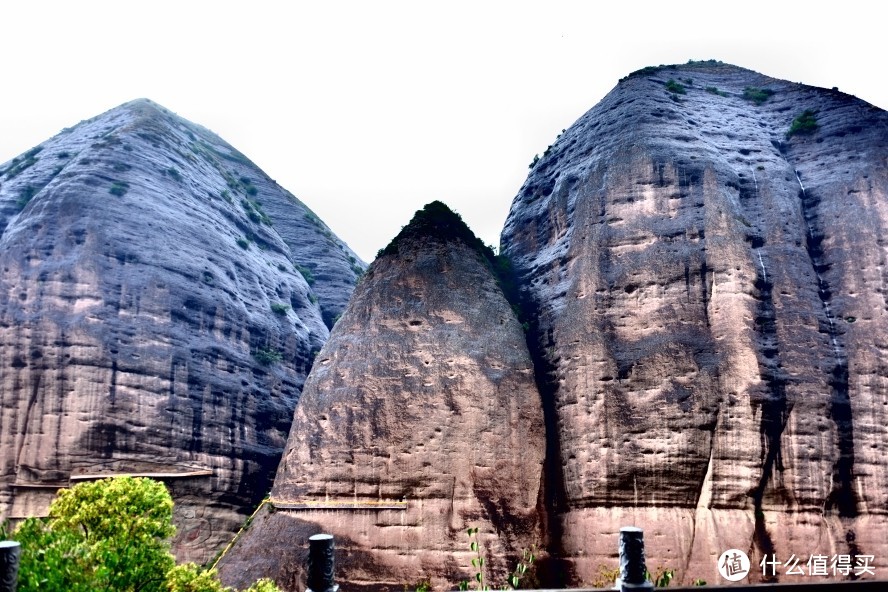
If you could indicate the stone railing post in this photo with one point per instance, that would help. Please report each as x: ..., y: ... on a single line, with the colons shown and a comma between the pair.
x: 632, y: 566
x: 320, y: 564
x: 10, y: 552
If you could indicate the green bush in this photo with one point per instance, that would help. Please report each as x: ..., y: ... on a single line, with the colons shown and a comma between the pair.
x: 279, y: 308
x: 118, y: 188
x: 254, y: 211
x: 757, y: 95
x: 243, y: 243
x: 189, y: 577
x: 176, y: 175
x: 805, y: 123
x: 25, y: 196
x: 714, y: 91
x: 306, y: 273
x: 267, y: 356
x: 675, y: 87
x: 19, y: 166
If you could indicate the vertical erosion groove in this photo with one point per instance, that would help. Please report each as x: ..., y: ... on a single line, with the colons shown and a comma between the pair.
x: 842, y: 497
x: 553, y: 572
x: 774, y: 406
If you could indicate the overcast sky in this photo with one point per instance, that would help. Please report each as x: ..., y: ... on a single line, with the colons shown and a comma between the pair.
x: 368, y: 110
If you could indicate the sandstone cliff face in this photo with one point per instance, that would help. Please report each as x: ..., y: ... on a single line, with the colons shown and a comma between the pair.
x: 419, y: 420
x: 708, y: 304
x: 153, y: 318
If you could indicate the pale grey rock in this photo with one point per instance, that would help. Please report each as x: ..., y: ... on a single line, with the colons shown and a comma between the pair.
x: 132, y: 323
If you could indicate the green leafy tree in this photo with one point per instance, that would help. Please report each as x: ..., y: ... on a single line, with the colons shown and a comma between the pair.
x: 190, y: 578
x: 263, y: 585
x: 112, y: 534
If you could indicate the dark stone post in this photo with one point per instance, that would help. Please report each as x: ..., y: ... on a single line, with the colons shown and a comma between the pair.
x: 632, y: 566
x: 10, y: 552
x: 320, y: 564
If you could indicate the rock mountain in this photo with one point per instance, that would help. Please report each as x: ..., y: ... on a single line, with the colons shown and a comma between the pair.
x: 703, y: 258
x: 161, y: 302
x: 700, y: 264
x: 421, y: 420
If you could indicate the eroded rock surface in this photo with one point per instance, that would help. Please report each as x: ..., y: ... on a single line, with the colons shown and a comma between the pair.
x: 419, y: 420
x: 708, y: 305
x: 153, y: 317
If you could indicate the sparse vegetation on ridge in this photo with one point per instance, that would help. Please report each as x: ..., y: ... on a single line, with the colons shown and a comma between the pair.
x: 714, y: 91
x: 21, y: 163
x: 437, y: 221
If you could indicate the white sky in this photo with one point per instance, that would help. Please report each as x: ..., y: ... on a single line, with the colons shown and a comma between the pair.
x: 368, y: 110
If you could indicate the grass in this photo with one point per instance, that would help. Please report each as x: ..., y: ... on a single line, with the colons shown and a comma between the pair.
x: 757, y: 95
x: 675, y: 87
x: 714, y: 91
x: 805, y: 123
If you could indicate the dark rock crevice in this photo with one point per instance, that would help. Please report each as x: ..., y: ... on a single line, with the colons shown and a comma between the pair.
x: 842, y: 497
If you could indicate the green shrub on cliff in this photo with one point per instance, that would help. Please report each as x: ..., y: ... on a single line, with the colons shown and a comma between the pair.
x: 675, y: 87
x: 757, y: 95
x: 805, y: 123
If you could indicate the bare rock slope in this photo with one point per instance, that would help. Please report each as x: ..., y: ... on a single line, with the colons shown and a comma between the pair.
x: 703, y: 259
x: 156, y: 317
x: 419, y: 420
